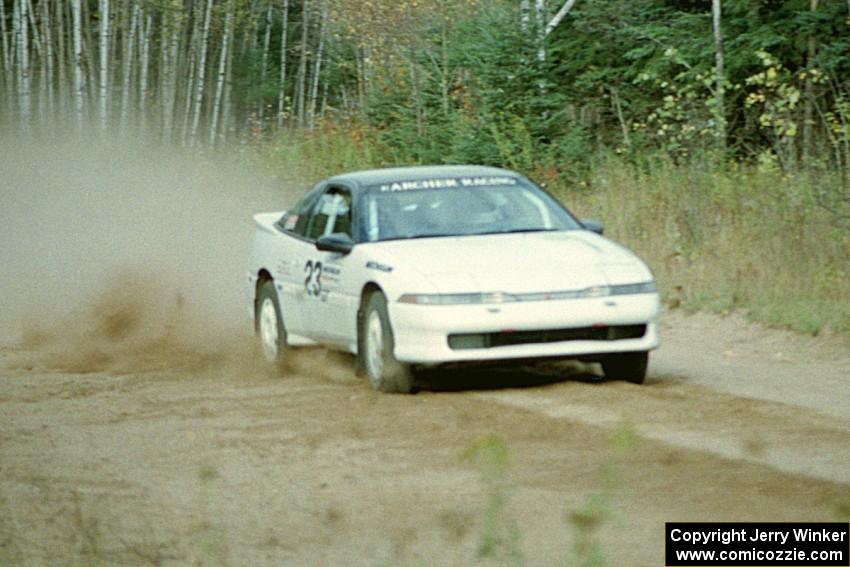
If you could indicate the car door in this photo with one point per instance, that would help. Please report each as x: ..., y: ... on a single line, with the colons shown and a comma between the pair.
x: 331, y: 305
x: 288, y: 272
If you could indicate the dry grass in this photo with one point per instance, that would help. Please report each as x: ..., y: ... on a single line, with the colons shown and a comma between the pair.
x: 721, y: 241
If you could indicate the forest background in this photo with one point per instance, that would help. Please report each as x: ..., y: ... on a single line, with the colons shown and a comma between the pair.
x: 711, y: 136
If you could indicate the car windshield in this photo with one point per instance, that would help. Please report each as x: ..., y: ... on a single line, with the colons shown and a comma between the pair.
x: 448, y: 207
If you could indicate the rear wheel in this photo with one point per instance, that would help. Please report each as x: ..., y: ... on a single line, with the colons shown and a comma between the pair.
x: 628, y: 366
x: 270, y: 329
x: 385, y: 373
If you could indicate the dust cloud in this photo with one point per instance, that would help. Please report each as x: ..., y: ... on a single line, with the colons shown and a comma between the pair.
x: 121, y: 257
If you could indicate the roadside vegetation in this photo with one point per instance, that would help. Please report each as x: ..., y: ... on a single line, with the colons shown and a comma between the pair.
x: 713, y: 138
x: 719, y: 237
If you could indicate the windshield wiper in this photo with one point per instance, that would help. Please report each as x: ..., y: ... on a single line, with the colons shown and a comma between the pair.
x: 517, y: 230
x: 436, y: 235
x: 416, y: 236
x: 461, y: 234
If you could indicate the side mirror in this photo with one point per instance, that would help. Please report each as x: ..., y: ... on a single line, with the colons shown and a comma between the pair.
x: 338, y: 242
x: 593, y: 225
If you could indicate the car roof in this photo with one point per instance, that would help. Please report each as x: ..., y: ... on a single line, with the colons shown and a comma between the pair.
x: 370, y: 177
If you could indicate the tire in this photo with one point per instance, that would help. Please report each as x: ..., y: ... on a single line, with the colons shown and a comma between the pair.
x: 628, y: 366
x: 269, y: 326
x: 376, y: 358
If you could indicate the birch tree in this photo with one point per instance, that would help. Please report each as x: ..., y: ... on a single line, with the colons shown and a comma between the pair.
x: 164, y: 74
x: 302, y: 65
x: 559, y: 16
x: 540, y: 15
x: 202, y: 66
x: 281, y: 97
x: 48, y: 55
x: 60, y: 57
x: 264, y: 63
x: 720, y: 76
x: 809, y: 103
x: 15, y: 65
x: 524, y: 15
x: 222, y: 71
x: 4, y: 41
x: 189, y: 94
x: 169, y: 49
x: 317, y: 69
x: 225, y: 110
x: 129, y: 44
x: 143, y: 78
x: 78, y: 61
x: 104, y: 63
x: 23, y: 65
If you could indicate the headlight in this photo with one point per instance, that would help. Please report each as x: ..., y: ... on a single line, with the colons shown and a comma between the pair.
x: 631, y: 289
x: 502, y: 297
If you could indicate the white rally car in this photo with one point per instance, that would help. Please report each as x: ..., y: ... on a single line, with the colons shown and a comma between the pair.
x: 417, y: 267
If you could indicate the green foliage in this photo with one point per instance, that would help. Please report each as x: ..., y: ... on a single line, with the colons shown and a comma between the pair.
x: 600, y: 505
x: 500, y: 535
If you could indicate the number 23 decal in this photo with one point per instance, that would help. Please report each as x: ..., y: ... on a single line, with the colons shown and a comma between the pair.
x: 313, y: 281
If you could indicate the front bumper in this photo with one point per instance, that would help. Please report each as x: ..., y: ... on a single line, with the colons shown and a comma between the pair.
x: 421, y: 331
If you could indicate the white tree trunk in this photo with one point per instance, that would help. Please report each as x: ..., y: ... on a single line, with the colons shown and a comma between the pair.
x: 808, y: 110
x: 36, y: 39
x: 222, y: 72
x: 79, y: 86
x: 60, y: 59
x: 562, y: 13
x: 190, y: 83
x: 15, y: 75
x: 48, y: 54
x: 302, y: 65
x: 143, y: 78
x: 540, y: 17
x: 524, y: 15
x: 202, y: 66
x: 720, y: 77
x: 225, y: 110
x: 172, y: 77
x: 4, y: 40
x: 264, y: 65
x: 129, y: 44
x: 162, y: 76
x: 317, y: 68
x: 104, y: 63
x: 281, y: 97
x: 23, y: 66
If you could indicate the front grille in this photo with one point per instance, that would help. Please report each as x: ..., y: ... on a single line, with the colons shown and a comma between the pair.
x: 463, y: 341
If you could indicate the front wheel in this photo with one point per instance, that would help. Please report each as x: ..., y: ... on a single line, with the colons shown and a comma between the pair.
x: 628, y: 366
x: 270, y: 329
x: 385, y: 373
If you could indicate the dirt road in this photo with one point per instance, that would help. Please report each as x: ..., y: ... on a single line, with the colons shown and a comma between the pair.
x: 136, y: 428
x: 211, y: 462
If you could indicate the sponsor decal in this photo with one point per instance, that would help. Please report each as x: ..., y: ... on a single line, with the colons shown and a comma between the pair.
x: 378, y: 266
x: 447, y: 183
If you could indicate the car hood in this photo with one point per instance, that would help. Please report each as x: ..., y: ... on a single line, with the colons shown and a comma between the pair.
x: 519, y: 263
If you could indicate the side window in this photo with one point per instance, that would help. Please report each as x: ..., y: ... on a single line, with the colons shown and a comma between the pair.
x: 331, y: 214
x: 295, y: 220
